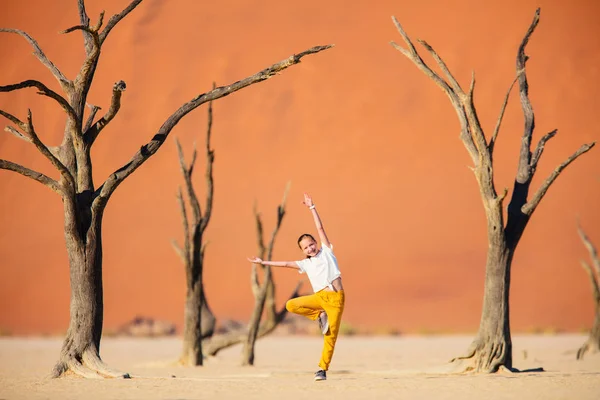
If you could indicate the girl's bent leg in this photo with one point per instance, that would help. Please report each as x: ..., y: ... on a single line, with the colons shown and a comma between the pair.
x: 308, y: 306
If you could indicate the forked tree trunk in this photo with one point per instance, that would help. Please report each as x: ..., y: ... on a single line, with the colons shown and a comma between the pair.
x: 80, y: 352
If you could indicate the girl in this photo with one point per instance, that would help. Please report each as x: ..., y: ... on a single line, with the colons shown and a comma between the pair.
x: 327, y: 303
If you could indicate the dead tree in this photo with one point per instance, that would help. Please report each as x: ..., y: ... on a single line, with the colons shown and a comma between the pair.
x: 199, y: 321
x: 260, y: 291
x: 83, y: 201
x: 592, y: 344
x: 492, y: 347
x: 264, y: 300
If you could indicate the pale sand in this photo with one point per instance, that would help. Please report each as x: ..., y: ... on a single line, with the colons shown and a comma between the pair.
x: 363, y: 368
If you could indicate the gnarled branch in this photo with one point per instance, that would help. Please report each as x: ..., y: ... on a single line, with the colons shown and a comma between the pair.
x: 115, y: 19
x: 85, y: 21
x: 524, y: 171
x: 43, y: 90
x: 184, y: 253
x: 16, y: 133
x: 37, y: 51
x: 146, y: 151
x: 37, y: 176
x: 414, y: 56
x: 501, y: 116
x: 14, y: 120
x: 92, y: 132
x: 210, y: 160
x: 46, y: 152
x: 531, y: 205
x: 93, y: 110
x: 591, y: 249
x: 539, y: 149
x: 191, y: 193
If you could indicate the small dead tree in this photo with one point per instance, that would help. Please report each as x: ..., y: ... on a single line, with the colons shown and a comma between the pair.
x: 592, y: 345
x: 264, y: 296
x: 199, y: 321
x: 84, y: 202
x: 492, y: 347
x: 260, y: 291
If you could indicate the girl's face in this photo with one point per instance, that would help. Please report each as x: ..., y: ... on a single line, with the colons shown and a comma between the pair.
x: 309, y: 247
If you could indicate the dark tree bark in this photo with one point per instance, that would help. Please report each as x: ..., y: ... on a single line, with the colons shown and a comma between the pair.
x: 83, y: 201
x: 261, y: 291
x: 592, y: 344
x: 199, y: 321
x: 492, y: 347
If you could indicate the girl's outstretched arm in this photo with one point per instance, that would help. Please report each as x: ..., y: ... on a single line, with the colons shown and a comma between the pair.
x: 311, y: 206
x: 287, y: 264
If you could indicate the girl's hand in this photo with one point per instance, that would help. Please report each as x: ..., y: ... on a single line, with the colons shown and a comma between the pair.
x: 255, y: 260
x: 307, y: 200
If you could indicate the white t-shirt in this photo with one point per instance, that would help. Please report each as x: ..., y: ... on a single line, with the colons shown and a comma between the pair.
x: 321, y: 269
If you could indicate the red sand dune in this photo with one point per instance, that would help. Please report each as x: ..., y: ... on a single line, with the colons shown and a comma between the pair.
x: 358, y: 126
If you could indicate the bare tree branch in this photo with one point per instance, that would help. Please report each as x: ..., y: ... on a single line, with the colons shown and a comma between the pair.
x: 46, y: 152
x: 180, y: 252
x: 524, y: 171
x: 31, y: 136
x: 193, y: 199
x: 115, y: 19
x: 501, y: 116
x: 43, y: 90
x: 91, y: 133
x: 93, y: 110
x: 187, y: 257
x: 37, y: 176
x: 591, y: 249
x: 85, y: 21
x: 531, y: 205
x: 14, y: 120
x: 280, y: 215
x: 37, y: 51
x: 537, y: 154
x: 210, y: 159
x: 220, y: 342
x: 594, y: 282
x: 414, y: 56
x: 84, y: 28
x: 146, y: 151
x: 453, y: 82
x: 16, y: 133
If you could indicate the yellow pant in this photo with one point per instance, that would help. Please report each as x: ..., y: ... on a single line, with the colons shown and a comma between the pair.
x: 311, y: 306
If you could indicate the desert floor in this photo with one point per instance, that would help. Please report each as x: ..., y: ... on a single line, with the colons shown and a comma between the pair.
x: 364, y: 367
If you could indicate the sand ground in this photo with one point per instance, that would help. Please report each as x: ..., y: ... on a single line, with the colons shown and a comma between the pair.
x: 363, y: 368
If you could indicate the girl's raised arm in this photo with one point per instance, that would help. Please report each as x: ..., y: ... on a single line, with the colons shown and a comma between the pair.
x: 287, y: 264
x: 311, y: 206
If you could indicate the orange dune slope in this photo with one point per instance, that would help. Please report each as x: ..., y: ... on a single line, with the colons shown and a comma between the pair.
x: 358, y: 126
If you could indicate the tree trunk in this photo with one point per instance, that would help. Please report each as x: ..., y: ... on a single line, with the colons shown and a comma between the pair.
x: 592, y: 345
x: 80, y: 352
x: 209, y: 321
x: 492, y: 347
x: 197, y: 325
x: 254, y: 323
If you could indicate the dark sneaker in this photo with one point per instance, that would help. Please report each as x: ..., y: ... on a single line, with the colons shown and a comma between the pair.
x: 320, y: 375
x: 323, y: 322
